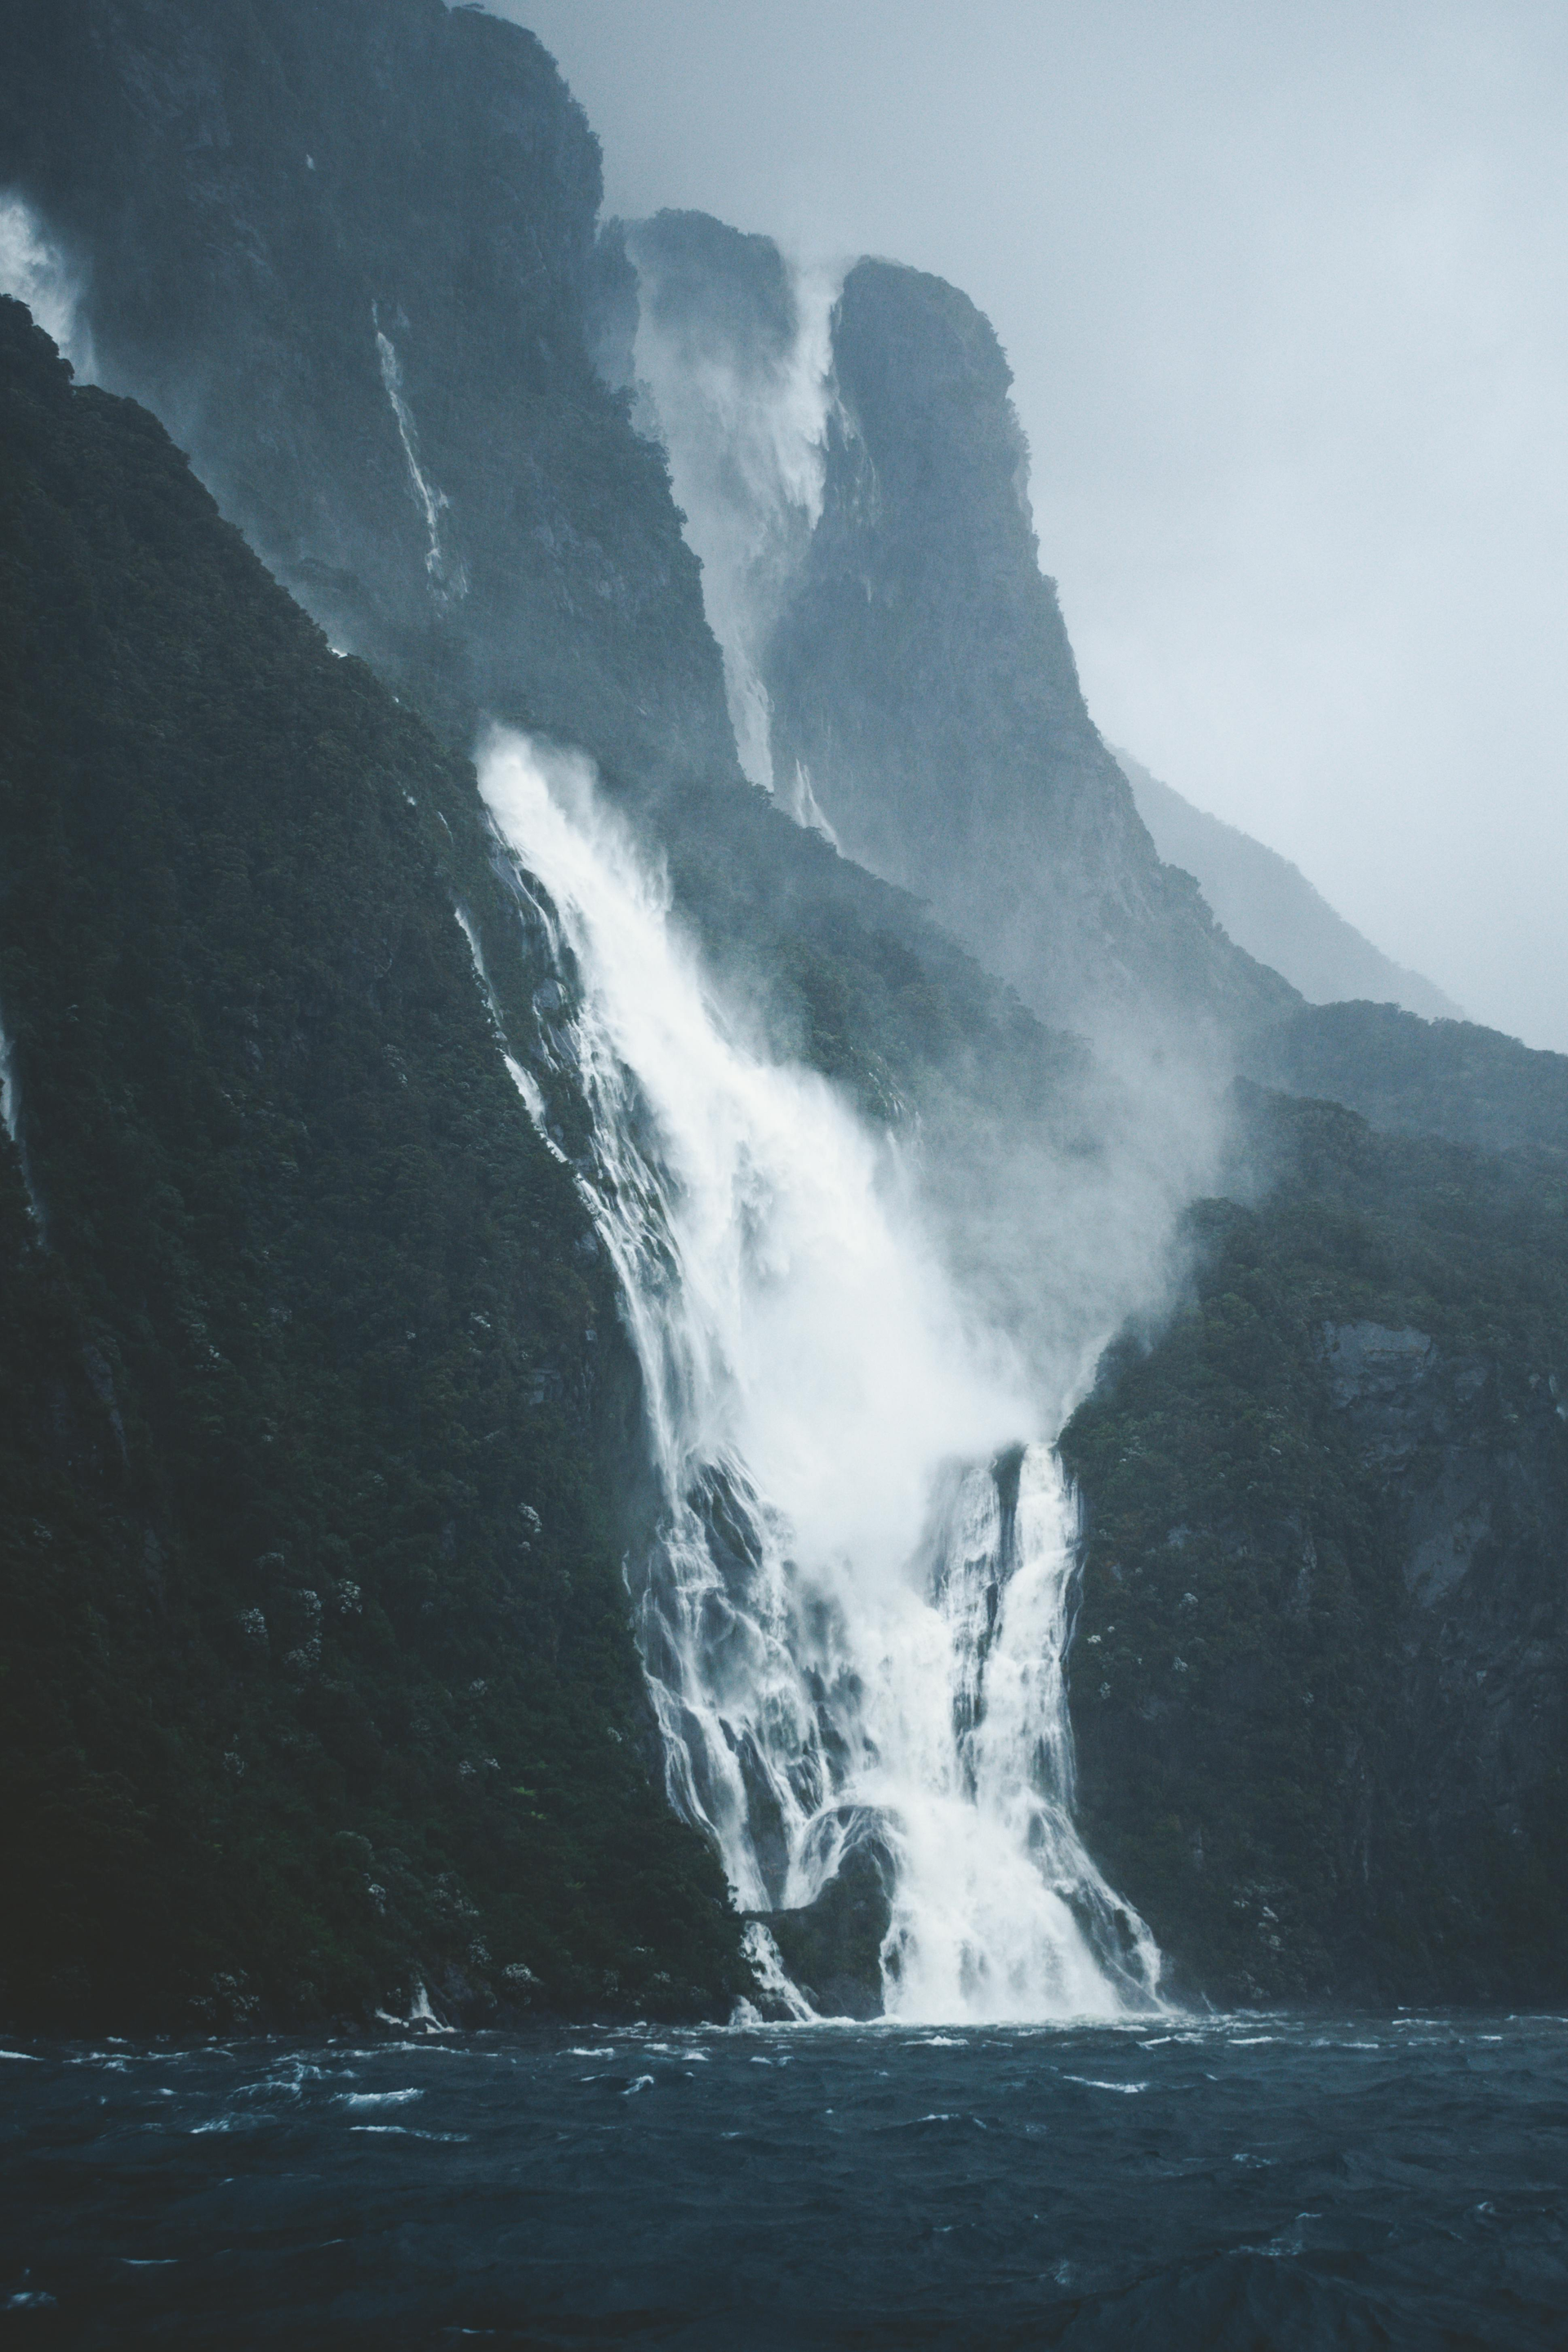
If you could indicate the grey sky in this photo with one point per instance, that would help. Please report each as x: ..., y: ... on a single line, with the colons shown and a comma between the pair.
x: 1285, y: 288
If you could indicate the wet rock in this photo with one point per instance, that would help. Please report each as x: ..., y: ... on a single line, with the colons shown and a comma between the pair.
x: 832, y: 1948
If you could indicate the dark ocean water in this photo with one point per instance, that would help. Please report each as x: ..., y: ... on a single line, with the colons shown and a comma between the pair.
x: 1247, y: 2183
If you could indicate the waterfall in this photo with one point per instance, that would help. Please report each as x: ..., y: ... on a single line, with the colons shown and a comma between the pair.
x: 447, y: 579
x: 739, y: 400
x: 854, y: 1616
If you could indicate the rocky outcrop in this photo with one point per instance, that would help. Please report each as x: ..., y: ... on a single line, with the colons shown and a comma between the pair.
x: 922, y: 676
x: 832, y: 1948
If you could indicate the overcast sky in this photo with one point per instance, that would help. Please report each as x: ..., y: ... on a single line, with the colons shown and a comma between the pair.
x: 1285, y: 290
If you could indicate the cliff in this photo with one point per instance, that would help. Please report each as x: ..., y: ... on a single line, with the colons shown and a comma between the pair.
x: 922, y: 674
x: 320, y: 1432
x: 342, y: 252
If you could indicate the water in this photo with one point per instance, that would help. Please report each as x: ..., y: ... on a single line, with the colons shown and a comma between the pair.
x: 854, y: 1618
x: 740, y: 407
x: 447, y: 579
x: 1265, y: 2185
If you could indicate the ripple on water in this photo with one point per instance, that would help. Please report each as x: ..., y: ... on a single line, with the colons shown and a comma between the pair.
x: 886, y: 2189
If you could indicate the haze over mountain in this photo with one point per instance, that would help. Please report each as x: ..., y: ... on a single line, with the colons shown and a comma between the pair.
x: 1285, y: 292
x: 897, y: 661
x: 1271, y: 909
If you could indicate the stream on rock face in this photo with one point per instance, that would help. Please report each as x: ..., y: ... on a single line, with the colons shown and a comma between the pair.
x: 854, y: 1617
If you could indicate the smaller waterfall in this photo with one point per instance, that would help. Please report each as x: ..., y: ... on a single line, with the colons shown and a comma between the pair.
x: 11, y: 1119
x: 8, y: 1108
x: 854, y: 1615
x: 448, y: 578
x: 740, y: 402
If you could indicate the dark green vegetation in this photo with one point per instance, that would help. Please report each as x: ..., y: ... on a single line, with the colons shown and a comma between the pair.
x: 1419, y: 1077
x: 1318, y: 1676
x: 922, y: 671
x: 315, y: 1665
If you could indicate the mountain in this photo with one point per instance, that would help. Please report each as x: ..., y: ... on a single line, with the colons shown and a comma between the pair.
x: 1318, y: 1671
x: 325, y: 1445
x: 1411, y: 1077
x: 337, y: 1581
x: 342, y: 252
x: 1271, y: 909
x: 921, y: 694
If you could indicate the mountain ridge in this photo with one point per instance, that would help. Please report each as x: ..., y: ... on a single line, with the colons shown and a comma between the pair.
x: 1269, y: 908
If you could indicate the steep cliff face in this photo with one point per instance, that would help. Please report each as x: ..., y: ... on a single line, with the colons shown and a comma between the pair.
x: 319, y: 1435
x: 921, y: 675
x: 1320, y: 1674
x: 341, y: 252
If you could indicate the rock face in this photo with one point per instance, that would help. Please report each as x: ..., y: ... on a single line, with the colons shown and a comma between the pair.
x: 1271, y: 909
x: 1321, y: 1675
x: 1476, y: 1482
x: 342, y: 252
x: 832, y: 1948
x: 922, y: 676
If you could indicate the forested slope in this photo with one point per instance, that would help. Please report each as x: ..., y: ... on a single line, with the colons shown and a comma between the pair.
x: 1320, y: 1674
x: 316, y: 1664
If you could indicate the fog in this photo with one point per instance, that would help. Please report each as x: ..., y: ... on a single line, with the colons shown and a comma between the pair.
x: 1284, y: 290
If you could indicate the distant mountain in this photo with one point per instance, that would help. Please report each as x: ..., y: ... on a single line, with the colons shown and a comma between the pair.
x: 1271, y: 909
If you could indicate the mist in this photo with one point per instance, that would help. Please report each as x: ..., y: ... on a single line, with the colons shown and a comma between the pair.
x: 1283, y: 292
x: 32, y: 271
x: 855, y: 1610
x: 731, y: 376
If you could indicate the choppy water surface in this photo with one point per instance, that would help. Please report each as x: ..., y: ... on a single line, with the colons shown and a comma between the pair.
x: 1260, y: 2183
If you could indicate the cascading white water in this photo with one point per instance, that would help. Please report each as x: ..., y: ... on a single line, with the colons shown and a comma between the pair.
x: 853, y: 1622
x: 7, y: 1087
x: 742, y: 419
